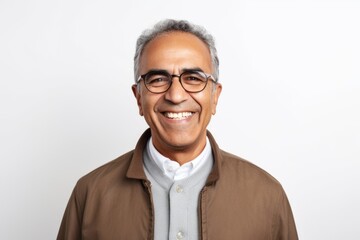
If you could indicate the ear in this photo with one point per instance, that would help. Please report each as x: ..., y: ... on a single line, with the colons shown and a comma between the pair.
x: 216, y: 95
x: 136, y: 91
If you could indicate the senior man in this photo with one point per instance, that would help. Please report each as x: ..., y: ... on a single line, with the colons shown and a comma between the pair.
x: 177, y: 183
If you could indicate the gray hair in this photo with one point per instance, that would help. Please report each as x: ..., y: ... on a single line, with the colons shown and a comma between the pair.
x: 170, y: 25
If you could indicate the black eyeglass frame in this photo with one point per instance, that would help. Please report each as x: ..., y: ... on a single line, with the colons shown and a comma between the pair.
x: 143, y: 77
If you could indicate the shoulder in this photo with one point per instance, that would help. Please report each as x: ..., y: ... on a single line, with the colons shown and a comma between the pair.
x: 112, y: 171
x: 244, y: 171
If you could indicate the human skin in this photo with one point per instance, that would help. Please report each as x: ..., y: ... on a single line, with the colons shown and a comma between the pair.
x: 177, y: 119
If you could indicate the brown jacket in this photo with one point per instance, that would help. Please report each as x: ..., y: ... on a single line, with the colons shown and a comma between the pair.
x: 239, y: 201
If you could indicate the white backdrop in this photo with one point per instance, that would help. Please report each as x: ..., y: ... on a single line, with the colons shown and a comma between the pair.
x: 290, y: 100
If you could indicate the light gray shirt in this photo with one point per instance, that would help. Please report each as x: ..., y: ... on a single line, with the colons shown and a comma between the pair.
x: 176, y: 201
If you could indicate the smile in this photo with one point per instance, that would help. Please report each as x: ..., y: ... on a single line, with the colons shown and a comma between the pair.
x: 178, y: 116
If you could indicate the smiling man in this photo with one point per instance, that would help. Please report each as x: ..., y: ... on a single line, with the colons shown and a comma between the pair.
x: 177, y: 93
x: 177, y: 183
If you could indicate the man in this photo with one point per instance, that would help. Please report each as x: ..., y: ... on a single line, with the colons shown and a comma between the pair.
x: 177, y: 183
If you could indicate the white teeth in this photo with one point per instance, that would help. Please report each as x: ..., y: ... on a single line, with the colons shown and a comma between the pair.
x: 178, y: 116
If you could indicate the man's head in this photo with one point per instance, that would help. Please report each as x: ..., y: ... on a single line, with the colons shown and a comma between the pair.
x: 177, y: 109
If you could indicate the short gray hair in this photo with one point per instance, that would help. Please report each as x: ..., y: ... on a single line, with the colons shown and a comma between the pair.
x: 170, y: 25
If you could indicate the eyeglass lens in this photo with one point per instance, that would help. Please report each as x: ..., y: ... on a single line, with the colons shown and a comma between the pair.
x: 191, y: 81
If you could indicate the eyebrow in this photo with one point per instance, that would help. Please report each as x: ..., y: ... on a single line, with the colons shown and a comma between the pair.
x: 192, y: 69
x: 155, y: 70
x: 182, y: 70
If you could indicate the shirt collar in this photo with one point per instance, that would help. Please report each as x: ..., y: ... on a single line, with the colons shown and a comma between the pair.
x: 172, y: 169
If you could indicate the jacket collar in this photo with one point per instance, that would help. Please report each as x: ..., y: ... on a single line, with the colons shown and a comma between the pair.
x: 136, y: 169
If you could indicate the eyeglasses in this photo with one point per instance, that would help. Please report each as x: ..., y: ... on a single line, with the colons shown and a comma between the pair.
x: 160, y: 81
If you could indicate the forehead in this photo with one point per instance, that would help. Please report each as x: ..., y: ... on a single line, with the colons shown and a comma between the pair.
x: 175, y: 49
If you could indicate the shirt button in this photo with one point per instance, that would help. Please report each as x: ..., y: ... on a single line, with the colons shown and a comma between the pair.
x: 180, y: 235
x: 179, y: 189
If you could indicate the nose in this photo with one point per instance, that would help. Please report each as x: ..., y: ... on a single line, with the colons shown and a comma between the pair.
x: 176, y: 93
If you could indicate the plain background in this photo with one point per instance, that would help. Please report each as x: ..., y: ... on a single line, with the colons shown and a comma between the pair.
x: 290, y: 101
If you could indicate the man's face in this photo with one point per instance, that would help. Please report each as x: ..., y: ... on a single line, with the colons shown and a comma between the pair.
x: 177, y: 119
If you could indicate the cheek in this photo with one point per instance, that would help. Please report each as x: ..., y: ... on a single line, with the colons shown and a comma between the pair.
x: 205, y: 100
x: 149, y: 104
x: 147, y: 111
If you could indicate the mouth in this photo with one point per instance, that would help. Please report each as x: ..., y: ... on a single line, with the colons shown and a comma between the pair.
x: 178, y: 115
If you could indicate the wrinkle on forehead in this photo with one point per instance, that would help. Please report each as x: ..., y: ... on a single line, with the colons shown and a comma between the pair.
x: 175, y: 51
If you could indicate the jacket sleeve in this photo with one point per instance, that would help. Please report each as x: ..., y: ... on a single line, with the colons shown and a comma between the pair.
x: 70, y: 228
x: 286, y: 229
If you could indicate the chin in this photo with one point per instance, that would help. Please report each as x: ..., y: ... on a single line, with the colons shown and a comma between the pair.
x: 181, y: 140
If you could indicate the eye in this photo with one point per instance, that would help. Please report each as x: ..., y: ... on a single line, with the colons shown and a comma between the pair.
x: 157, y: 80
x: 193, y: 78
